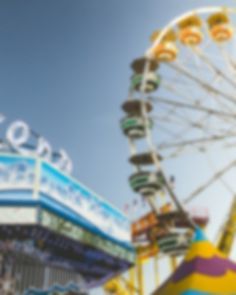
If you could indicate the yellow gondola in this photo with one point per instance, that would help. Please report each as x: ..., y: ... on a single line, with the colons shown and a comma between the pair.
x: 219, y: 27
x: 166, y: 50
x: 190, y: 33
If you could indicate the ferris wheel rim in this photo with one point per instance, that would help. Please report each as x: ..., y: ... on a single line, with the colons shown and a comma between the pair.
x: 210, y: 9
x: 175, y: 21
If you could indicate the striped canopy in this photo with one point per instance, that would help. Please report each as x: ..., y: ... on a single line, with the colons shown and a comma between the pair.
x: 204, y: 271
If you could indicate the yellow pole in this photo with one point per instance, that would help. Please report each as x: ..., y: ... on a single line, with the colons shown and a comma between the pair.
x: 132, y: 281
x: 227, y: 235
x: 140, y: 277
x: 173, y: 263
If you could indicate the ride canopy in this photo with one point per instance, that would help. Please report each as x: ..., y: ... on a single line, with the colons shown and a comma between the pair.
x: 204, y: 271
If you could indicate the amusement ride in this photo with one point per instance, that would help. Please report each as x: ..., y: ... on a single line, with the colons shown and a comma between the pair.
x: 181, y: 101
x: 57, y: 236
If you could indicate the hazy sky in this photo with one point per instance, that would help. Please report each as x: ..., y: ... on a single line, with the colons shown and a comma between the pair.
x: 64, y: 69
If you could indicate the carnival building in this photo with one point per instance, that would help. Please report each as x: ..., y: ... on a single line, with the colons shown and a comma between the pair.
x: 56, y: 235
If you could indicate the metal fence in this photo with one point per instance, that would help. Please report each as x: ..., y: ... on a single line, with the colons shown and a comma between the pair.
x: 20, y: 273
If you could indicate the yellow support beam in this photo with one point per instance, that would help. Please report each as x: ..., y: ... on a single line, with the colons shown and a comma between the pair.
x: 173, y: 263
x: 122, y: 286
x: 140, y: 277
x: 228, y: 232
x: 115, y: 287
x: 132, y: 281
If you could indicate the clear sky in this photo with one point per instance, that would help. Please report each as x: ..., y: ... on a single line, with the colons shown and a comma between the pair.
x: 64, y: 69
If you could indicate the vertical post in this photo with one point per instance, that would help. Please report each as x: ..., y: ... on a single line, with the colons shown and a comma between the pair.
x: 36, y: 186
x: 173, y: 263
x: 228, y: 231
x: 37, y: 174
x: 140, y: 276
x: 132, y: 281
x: 46, y: 278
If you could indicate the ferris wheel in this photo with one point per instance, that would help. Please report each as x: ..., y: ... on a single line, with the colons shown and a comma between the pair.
x: 182, y: 99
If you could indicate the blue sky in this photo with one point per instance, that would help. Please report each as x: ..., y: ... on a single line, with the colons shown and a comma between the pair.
x: 64, y: 69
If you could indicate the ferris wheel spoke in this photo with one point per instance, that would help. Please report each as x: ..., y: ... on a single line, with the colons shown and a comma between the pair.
x: 225, y: 183
x: 166, y: 130
x: 176, y: 82
x: 174, y: 114
x: 193, y: 95
x: 227, y: 54
x: 201, y: 82
x: 231, y: 65
x: 179, y: 92
x: 169, y: 116
x: 199, y: 124
x: 193, y: 124
x: 201, y: 146
x: 195, y: 141
x: 213, y: 179
x: 197, y: 62
x: 198, y: 146
x: 212, y: 66
x: 230, y: 145
x: 213, y: 135
x: 194, y: 107
x: 182, y: 150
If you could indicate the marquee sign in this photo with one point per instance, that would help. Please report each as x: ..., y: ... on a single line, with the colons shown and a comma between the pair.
x: 68, y: 229
x: 24, y: 179
x: 144, y: 224
x: 45, y: 211
x: 33, y: 171
x: 20, y: 138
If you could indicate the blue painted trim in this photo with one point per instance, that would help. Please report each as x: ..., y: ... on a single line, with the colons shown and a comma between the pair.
x: 55, y: 207
x: 68, y: 214
x: 17, y: 202
x: 193, y: 292
x: 54, y: 288
x: 199, y: 236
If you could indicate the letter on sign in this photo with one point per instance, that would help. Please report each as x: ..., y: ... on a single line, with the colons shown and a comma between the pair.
x: 17, y: 134
x: 44, y: 149
x: 64, y: 163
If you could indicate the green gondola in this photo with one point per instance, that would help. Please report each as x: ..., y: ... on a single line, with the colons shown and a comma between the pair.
x: 151, y: 83
x: 135, y: 126
x: 147, y: 183
x: 173, y: 243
